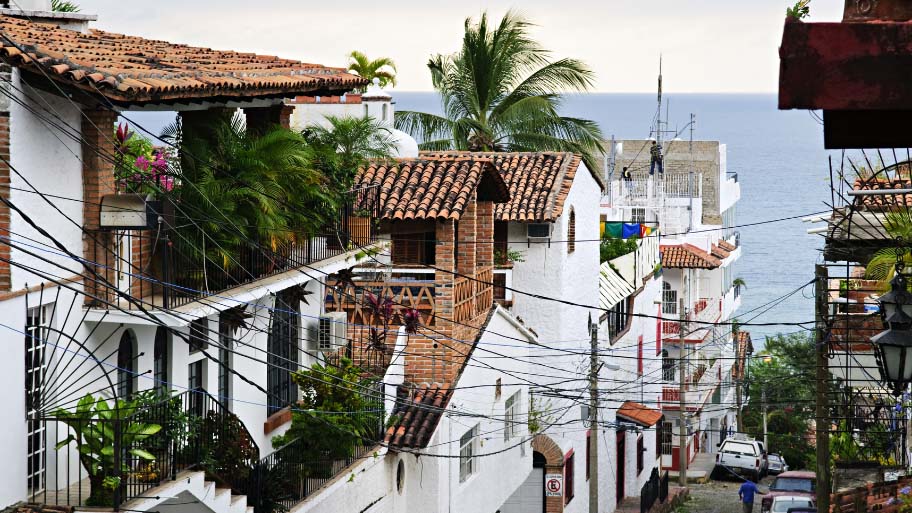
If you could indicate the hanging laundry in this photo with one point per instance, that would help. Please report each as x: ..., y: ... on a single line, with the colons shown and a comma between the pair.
x: 614, y: 230
x: 630, y: 230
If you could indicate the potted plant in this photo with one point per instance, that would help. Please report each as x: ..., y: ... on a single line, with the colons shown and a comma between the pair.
x: 505, y: 259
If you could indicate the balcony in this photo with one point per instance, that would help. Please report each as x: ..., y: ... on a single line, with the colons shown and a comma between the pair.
x: 171, y: 267
x: 704, y: 312
x: 406, y: 287
x: 188, y: 432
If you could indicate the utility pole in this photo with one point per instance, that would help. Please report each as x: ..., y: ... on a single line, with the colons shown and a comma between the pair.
x: 683, y: 452
x: 593, y: 417
x: 822, y: 413
x: 766, y: 444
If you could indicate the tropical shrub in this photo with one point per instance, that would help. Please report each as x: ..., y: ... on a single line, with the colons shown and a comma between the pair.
x: 141, y: 167
x: 336, y: 413
x: 94, y: 424
x: 614, y: 247
x: 348, y: 143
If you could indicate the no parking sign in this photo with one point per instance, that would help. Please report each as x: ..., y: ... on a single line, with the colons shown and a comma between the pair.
x: 554, y: 485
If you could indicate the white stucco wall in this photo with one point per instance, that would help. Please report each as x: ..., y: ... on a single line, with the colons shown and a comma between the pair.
x: 53, y: 167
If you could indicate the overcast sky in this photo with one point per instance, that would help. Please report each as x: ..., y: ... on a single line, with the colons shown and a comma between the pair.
x: 708, y: 45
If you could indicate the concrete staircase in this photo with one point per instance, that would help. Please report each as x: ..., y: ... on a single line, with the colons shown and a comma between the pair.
x: 190, y: 487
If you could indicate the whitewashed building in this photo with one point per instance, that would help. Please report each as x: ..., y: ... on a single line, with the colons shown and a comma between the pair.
x: 99, y: 296
x: 691, y: 209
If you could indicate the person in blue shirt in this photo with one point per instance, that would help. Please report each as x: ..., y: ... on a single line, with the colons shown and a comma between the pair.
x: 746, y: 495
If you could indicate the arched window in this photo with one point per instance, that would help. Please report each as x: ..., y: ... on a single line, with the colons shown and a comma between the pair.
x: 669, y: 299
x: 571, y: 232
x: 160, y: 366
x: 126, y: 365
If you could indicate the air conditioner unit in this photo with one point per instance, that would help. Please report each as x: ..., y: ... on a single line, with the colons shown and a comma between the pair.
x: 332, y: 332
x: 538, y: 230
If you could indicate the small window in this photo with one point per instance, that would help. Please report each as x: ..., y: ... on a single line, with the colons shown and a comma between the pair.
x: 571, y: 232
x: 640, y: 450
x: 385, y: 110
x: 467, y: 463
x: 668, y: 367
x: 366, y: 114
x: 511, y: 416
x: 569, y: 463
x: 400, y: 477
x: 199, y: 335
x: 669, y: 299
x: 638, y: 215
x: 667, y: 438
x: 126, y: 365
x: 161, y: 363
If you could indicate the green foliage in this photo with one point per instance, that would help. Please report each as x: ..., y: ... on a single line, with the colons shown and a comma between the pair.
x: 501, y: 92
x: 788, y: 378
x: 383, y: 69
x: 510, y: 255
x: 800, y: 10
x: 612, y: 247
x: 243, y: 186
x: 882, y: 266
x: 346, y: 145
x: 540, y: 415
x: 94, y: 425
x: 324, y: 435
x: 739, y: 282
x: 64, y: 6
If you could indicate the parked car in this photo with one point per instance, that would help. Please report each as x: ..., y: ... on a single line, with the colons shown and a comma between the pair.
x: 741, y: 456
x: 791, y: 504
x: 777, y: 464
x: 790, y: 484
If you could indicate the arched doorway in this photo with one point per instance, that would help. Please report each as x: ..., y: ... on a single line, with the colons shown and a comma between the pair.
x: 547, y: 458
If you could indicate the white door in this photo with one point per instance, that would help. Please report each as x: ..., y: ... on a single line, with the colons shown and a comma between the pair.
x: 529, y: 497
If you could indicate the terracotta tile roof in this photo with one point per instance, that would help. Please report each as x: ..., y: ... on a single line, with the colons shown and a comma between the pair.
x: 724, y: 244
x: 718, y: 252
x: 687, y: 256
x: 539, y: 182
x: 745, y: 347
x: 128, y: 69
x: 416, y: 414
x: 432, y: 188
x: 639, y: 414
x: 899, y: 200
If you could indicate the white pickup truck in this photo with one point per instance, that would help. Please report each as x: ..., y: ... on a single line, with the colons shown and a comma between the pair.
x: 741, y: 456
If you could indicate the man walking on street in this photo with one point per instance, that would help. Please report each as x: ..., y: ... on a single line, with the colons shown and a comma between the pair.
x: 746, y: 495
x: 655, y: 159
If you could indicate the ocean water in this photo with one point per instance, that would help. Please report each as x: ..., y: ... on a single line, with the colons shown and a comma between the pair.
x: 781, y: 166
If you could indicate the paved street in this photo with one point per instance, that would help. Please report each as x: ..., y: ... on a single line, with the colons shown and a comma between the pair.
x: 718, y: 497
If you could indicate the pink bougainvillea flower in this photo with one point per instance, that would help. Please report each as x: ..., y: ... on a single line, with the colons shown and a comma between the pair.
x: 142, y: 163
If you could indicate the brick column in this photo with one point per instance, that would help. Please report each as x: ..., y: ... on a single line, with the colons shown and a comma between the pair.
x: 465, y: 263
x: 97, y: 181
x: 484, y: 254
x: 5, y: 253
x: 261, y: 119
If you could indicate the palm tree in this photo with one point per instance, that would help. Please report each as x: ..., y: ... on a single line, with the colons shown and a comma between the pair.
x: 882, y: 265
x: 347, y: 144
x: 501, y: 92
x: 239, y: 185
x: 383, y: 69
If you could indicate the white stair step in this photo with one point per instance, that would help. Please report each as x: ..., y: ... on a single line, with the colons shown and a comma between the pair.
x: 222, y: 499
x: 238, y: 504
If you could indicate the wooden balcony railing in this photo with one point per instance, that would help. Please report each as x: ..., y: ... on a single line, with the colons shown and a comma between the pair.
x: 417, y: 294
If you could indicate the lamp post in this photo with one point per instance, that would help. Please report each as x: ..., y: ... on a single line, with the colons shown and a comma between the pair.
x: 893, y: 347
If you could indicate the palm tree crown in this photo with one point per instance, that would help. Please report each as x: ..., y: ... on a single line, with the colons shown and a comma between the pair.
x: 383, y: 69
x: 501, y: 92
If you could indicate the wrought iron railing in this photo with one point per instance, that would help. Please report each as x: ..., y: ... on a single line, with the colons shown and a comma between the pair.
x: 293, y: 472
x: 104, y: 460
x: 172, y: 267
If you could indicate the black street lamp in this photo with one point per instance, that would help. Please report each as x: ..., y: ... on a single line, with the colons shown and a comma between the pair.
x: 893, y: 347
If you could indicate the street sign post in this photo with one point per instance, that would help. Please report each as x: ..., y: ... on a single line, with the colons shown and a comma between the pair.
x: 554, y: 485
